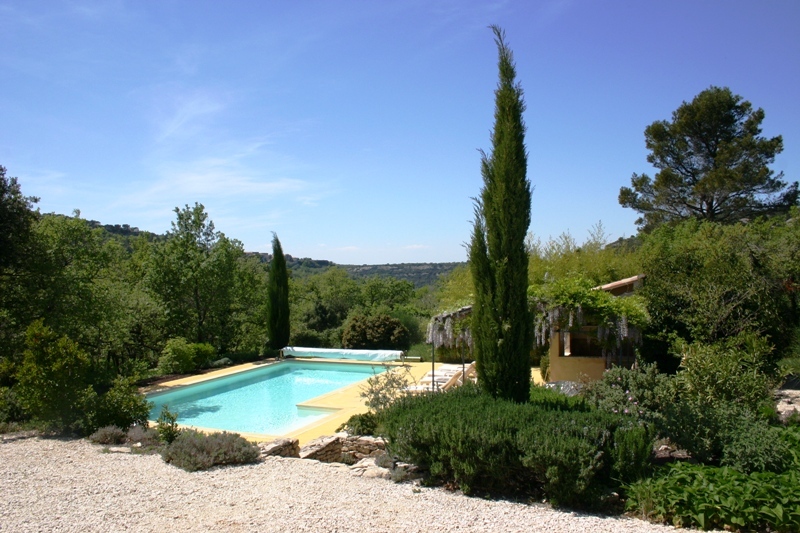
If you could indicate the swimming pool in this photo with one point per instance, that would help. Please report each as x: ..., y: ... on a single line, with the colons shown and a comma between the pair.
x: 263, y: 400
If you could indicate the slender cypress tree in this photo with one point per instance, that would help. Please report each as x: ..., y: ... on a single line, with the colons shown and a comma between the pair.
x: 277, y: 298
x: 501, y: 323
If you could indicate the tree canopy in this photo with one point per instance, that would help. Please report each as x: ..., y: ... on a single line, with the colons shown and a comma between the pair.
x: 501, y: 322
x: 713, y: 165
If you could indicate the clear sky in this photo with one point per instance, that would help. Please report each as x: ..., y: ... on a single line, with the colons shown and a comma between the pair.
x: 352, y: 128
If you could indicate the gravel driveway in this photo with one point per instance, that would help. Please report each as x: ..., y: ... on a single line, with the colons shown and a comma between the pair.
x: 71, y: 485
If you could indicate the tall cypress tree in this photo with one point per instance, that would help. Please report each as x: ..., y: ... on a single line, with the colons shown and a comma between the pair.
x: 501, y: 324
x: 277, y: 298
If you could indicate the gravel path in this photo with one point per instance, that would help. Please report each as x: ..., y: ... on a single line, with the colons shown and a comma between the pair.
x: 59, y: 485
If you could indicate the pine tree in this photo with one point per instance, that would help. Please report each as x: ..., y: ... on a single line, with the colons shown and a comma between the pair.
x: 501, y: 323
x: 277, y: 298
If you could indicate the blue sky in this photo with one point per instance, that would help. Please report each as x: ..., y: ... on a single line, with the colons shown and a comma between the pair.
x: 352, y: 128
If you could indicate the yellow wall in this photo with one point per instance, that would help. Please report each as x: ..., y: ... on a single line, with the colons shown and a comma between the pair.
x: 576, y: 368
x: 571, y: 368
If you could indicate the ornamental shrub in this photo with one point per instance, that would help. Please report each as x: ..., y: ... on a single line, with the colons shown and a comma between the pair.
x: 193, y: 450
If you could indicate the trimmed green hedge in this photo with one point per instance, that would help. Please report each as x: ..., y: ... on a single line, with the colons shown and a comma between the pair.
x: 553, y: 447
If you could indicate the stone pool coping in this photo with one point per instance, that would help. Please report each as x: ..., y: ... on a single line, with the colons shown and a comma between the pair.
x: 343, y: 403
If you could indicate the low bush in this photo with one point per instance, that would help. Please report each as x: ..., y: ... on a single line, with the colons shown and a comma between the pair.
x: 361, y: 424
x: 202, y: 354
x: 177, y: 357
x: 755, y: 446
x: 689, y: 495
x: 146, y: 438
x: 632, y: 451
x: 167, y: 426
x: 553, y: 448
x: 552, y: 400
x: 122, y: 406
x: 634, y: 392
x: 193, y: 450
x: 108, y: 435
x: 735, y: 372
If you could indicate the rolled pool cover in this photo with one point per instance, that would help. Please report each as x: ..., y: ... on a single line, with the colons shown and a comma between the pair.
x: 334, y: 353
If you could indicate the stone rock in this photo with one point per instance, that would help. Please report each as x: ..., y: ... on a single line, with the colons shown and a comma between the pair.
x: 280, y: 448
x: 367, y: 468
x: 119, y: 449
x: 788, y: 403
x: 219, y: 363
x: 323, y: 449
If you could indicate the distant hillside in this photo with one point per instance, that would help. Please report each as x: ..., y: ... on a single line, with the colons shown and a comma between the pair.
x: 420, y: 274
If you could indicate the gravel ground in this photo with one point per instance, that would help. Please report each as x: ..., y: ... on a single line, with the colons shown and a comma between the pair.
x: 71, y: 485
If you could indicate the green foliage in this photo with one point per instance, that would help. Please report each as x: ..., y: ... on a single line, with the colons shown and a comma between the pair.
x: 709, y: 497
x: 455, y: 290
x: 552, y: 400
x: 633, y: 448
x: 544, y: 367
x: 11, y: 409
x: 167, y: 426
x: 727, y: 372
x: 637, y: 392
x: 278, y: 298
x: 595, y: 258
x: 562, y: 302
x: 375, y: 332
x: 177, y: 357
x: 552, y: 447
x: 321, y: 304
x: 755, y: 446
x: 713, y: 165
x: 501, y: 325
x: 17, y: 217
x: 194, y: 273
x: 193, y: 450
x: 361, y: 424
x: 707, y: 282
x: 385, y: 388
x: 108, y: 435
x: 122, y: 406
x: 202, y: 354
x: 54, y: 380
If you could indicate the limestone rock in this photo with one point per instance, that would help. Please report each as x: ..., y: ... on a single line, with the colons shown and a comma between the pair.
x: 323, y: 449
x: 280, y: 448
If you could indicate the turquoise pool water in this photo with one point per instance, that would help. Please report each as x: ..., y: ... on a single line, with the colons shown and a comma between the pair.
x: 263, y: 400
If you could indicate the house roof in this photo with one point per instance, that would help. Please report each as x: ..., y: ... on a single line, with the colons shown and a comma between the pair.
x: 623, y: 286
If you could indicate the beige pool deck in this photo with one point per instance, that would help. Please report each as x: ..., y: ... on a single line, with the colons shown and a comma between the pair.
x: 342, y: 403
